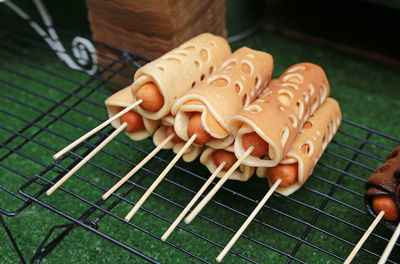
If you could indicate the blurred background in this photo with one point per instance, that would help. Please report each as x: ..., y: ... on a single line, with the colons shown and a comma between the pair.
x: 363, y: 26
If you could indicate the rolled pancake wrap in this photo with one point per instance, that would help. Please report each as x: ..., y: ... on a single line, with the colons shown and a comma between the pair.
x: 242, y: 173
x: 280, y: 111
x: 180, y: 70
x: 385, y: 181
x: 122, y: 99
x: 309, y: 144
x: 161, y: 133
x: 223, y: 94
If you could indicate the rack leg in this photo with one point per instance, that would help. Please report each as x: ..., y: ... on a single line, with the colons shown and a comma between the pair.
x: 44, y: 249
x: 14, y: 243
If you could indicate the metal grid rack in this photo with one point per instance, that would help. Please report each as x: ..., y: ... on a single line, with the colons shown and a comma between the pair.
x: 324, y: 219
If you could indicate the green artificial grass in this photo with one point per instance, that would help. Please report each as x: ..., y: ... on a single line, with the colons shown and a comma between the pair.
x: 368, y: 93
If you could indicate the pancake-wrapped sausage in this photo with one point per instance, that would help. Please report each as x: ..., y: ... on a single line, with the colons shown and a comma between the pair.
x: 138, y: 127
x: 271, y: 123
x: 306, y: 149
x: 161, y: 82
x: 383, y: 191
x: 207, y: 109
x: 212, y: 158
x: 176, y: 144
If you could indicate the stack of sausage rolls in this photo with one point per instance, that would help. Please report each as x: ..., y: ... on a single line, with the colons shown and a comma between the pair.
x: 230, y: 103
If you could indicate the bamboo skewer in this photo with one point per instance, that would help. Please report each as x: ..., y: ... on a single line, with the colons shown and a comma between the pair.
x: 159, y: 179
x: 95, y: 130
x: 192, y: 202
x: 364, y: 237
x: 248, y: 221
x: 137, y: 167
x: 86, y: 159
x: 214, y: 190
x: 390, y: 245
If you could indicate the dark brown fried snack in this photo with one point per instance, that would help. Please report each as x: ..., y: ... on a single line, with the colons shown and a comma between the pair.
x: 385, y: 182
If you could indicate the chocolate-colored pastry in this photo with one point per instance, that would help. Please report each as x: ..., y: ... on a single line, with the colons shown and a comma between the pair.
x: 384, y: 185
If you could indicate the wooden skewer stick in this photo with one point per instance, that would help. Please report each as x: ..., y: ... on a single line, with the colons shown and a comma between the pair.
x: 94, y: 130
x: 159, y: 179
x: 364, y: 237
x: 219, y: 184
x: 248, y: 221
x: 192, y: 202
x: 86, y: 159
x: 390, y: 245
x: 137, y: 167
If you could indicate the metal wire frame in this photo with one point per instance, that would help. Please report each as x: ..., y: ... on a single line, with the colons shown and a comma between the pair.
x: 43, y: 113
x: 96, y: 205
x: 12, y: 239
x: 15, y: 134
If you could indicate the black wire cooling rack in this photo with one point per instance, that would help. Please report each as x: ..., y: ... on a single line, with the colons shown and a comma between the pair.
x: 322, y: 221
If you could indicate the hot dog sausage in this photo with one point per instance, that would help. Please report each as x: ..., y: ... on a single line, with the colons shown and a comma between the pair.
x: 286, y: 172
x: 134, y: 121
x: 387, y: 204
x: 260, y: 145
x: 151, y: 96
x: 195, y: 127
x: 222, y: 155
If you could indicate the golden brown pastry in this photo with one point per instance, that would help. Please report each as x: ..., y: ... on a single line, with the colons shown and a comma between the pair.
x: 176, y: 144
x: 122, y: 99
x: 273, y: 121
x: 207, y: 109
x: 306, y: 150
x: 161, y: 82
x: 212, y: 158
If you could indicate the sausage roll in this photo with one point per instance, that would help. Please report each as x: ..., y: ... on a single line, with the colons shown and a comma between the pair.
x: 176, y: 144
x: 383, y: 191
x: 223, y: 94
x: 212, y: 158
x: 122, y: 99
x: 306, y: 149
x: 176, y: 72
x: 271, y: 123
